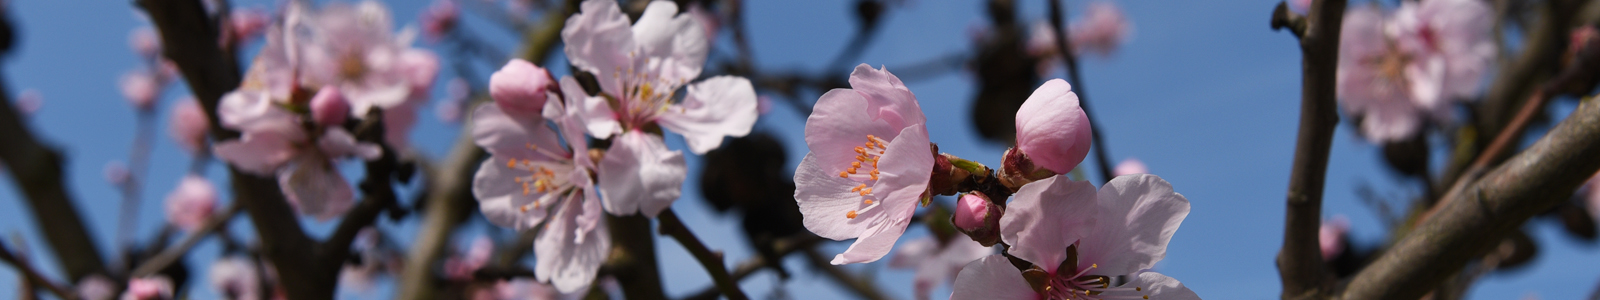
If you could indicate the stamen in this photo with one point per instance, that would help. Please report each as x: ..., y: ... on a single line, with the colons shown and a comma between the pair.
x: 843, y: 174
x: 868, y: 201
x: 866, y: 191
x: 850, y: 215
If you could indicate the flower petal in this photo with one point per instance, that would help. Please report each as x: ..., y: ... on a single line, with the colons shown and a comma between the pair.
x: 825, y: 200
x: 639, y: 174
x: 506, y: 137
x: 598, y: 40
x: 1160, y: 286
x: 337, y: 142
x: 713, y: 108
x: 876, y: 241
x: 562, y: 260
x: 992, y: 277
x: 259, y: 153
x: 675, y: 42
x: 1138, y: 215
x: 501, y: 200
x: 887, y: 96
x: 1046, y: 217
x: 840, y: 122
x: 316, y: 188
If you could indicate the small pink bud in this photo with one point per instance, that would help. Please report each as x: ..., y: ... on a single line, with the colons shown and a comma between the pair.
x: 145, y: 41
x: 1130, y: 166
x: 519, y: 87
x: 189, y: 125
x: 29, y: 101
x: 1052, y: 129
x: 979, y: 218
x: 329, y: 107
x: 140, y: 88
x: 148, y: 288
x: 189, y: 205
x: 1331, y: 237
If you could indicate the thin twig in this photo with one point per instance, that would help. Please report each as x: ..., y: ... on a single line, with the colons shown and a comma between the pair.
x: 175, y: 253
x: 861, y: 286
x: 712, y: 261
x: 1300, y: 261
x: 1064, y: 47
x: 1530, y: 182
x: 782, y: 247
x: 33, y: 275
x: 138, y: 166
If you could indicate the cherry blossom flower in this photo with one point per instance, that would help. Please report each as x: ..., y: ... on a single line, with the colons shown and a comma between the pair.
x: 148, y: 288
x: 531, y: 179
x: 1331, y: 236
x: 141, y: 88
x: 640, y: 69
x: 461, y: 267
x: 189, y: 205
x: 1130, y: 166
x: 1052, y: 130
x: 235, y: 278
x: 275, y: 143
x: 869, y: 164
x: 1100, y: 31
x: 1083, y: 244
x: 1400, y: 71
x: 354, y: 48
x: 188, y: 125
x: 520, y: 88
x: 936, y: 262
x: 145, y: 42
x: 96, y: 287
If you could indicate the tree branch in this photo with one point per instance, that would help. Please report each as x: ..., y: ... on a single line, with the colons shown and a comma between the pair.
x: 1528, y: 183
x: 712, y: 261
x: 861, y: 286
x: 37, y: 169
x: 1070, y: 59
x: 32, y: 275
x: 783, y: 247
x: 1300, y: 261
x: 172, y: 254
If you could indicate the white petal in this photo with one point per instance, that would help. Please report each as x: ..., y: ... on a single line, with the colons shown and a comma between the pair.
x: 316, y: 188
x: 639, y: 174
x: 1159, y: 286
x: 676, y: 42
x: 713, y: 108
x: 501, y: 200
x: 1138, y: 215
x: 598, y: 40
x: 877, y: 240
x: 1045, y: 217
x: 561, y: 259
x: 992, y: 277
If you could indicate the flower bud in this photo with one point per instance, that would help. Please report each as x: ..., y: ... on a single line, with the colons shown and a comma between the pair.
x: 189, y: 125
x: 1017, y: 169
x: 519, y: 87
x: 1331, y: 237
x: 140, y: 89
x: 1130, y: 166
x: 979, y: 218
x: 329, y: 107
x: 1052, y: 129
x: 947, y: 177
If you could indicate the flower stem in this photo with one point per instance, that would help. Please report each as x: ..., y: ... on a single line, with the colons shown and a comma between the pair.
x: 712, y: 261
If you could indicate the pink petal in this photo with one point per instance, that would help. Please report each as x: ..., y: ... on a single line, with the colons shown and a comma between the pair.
x: 677, y: 40
x: 562, y: 260
x: 598, y: 40
x: 316, y: 188
x: 520, y: 87
x: 501, y: 199
x: 841, y: 121
x: 886, y: 96
x: 713, y: 108
x: 1137, y: 217
x: 1052, y: 129
x: 1045, y: 217
x: 188, y: 125
x: 337, y: 143
x: 1159, y: 286
x: 1130, y: 166
x: 876, y: 241
x: 506, y: 137
x: 259, y: 153
x: 992, y: 277
x: 826, y: 200
x: 639, y: 174
x: 191, y: 203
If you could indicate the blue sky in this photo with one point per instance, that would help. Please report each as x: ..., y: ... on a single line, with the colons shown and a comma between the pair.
x: 1204, y: 93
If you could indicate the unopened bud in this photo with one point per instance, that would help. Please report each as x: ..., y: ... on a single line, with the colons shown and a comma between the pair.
x: 519, y: 87
x: 1052, y: 128
x: 1017, y: 169
x: 979, y: 218
x: 329, y: 107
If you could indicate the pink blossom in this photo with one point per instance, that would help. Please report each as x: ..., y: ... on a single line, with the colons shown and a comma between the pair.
x: 96, y: 287
x: 29, y: 101
x: 642, y: 66
x: 329, y: 108
x: 936, y: 262
x: 1052, y: 129
x: 1100, y: 30
x: 461, y: 267
x: 141, y: 89
x: 145, y: 42
x: 970, y: 212
x: 1130, y: 166
x: 116, y: 172
x: 191, y: 203
x: 189, y: 125
x: 526, y: 289
x: 244, y: 24
x: 1400, y: 71
x: 1083, y: 244
x: 520, y: 87
x: 353, y: 47
x: 235, y: 278
x: 869, y: 164
x: 1331, y: 236
x: 148, y: 288
x: 439, y: 18
x: 531, y: 179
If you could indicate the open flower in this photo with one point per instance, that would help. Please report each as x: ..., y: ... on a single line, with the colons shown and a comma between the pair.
x: 531, y: 178
x: 936, y: 262
x: 640, y: 68
x: 354, y: 48
x: 191, y: 203
x: 188, y: 125
x: 1083, y: 244
x: 1398, y: 72
x: 148, y: 288
x: 868, y: 167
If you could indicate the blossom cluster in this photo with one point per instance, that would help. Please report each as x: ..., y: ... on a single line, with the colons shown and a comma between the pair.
x: 552, y: 181
x: 1401, y: 70
x: 871, y: 165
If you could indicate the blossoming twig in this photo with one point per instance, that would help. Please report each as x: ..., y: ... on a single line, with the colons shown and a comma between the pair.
x: 782, y: 247
x: 1071, y: 60
x: 176, y: 253
x: 670, y: 225
x: 1300, y: 260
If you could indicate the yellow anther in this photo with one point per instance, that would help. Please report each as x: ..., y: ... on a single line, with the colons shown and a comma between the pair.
x: 866, y: 191
x: 512, y: 163
x: 850, y: 215
x: 851, y: 170
x: 855, y: 164
x: 874, y: 175
x: 858, y: 188
x: 843, y: 174
x: 1138, y: 288
x: 1147, y: 296
x: 868, y: 201
x: 524, y: 208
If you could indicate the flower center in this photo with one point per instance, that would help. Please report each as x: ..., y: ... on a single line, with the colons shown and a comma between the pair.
x: 352, y: 66
x: 867, y: 156
x: 1081, y: 285
x: 1391, y: 67
x: 644, y: 97
x: 543, y: 175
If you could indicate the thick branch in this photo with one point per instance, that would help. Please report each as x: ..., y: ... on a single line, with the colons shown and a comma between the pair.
x: 1300, y: 260
x: 1526, y: 184
x: 1068, y: 57
x: 712, y: 261
x: 37, y: 170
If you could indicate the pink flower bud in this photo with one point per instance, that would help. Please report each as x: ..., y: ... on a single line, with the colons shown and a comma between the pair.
x: 1052, y: 129
x: 329, y: 107
x: 148, y: 288
x: 191, y: 203
x: 140, y: 88
x: 189, y: 125
x: 1130, y: 166
x: 1331, y: 237
x: 29, y: 101
x: 145, y: 42
x: 519, y: 87
x: 979, y: 218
